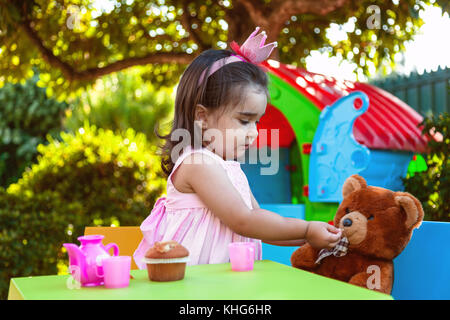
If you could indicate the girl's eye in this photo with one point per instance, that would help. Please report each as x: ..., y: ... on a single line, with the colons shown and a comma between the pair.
x: 245, y: 122
x: 370, y: 218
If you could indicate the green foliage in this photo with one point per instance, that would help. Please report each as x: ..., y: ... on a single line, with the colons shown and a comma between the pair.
x: 432, y: 187
x: 120, y: 101
x: 91, y: 178
x: 27, y: 115
x: 33, y: 230
x: 115, y: 177
x: 82, y: 39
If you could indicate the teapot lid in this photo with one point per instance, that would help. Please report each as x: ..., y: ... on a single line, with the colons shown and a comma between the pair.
x: 93, y: 238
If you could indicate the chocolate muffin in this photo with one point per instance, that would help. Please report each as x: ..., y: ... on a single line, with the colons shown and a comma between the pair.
x: 166, y: 261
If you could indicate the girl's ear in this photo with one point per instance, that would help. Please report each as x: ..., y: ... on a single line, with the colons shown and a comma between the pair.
x: 201, y: 115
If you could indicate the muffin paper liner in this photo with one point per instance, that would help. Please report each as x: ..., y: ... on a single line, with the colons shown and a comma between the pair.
x: 172, y: 260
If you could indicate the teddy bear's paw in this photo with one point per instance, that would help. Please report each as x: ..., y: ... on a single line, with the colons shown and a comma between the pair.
x: 304, y: 258
x: 364, y: 279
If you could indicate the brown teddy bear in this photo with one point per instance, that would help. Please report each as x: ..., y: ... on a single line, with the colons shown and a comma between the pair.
x: 376, y: 226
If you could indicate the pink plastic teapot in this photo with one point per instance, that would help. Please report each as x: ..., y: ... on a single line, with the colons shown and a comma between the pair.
x: 86, y: 260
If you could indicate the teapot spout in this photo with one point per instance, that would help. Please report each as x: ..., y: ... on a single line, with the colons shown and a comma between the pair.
x: 77, y: 261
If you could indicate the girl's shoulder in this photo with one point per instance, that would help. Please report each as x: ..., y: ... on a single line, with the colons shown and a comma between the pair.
x: 191, y: 156
x: 202, y: 156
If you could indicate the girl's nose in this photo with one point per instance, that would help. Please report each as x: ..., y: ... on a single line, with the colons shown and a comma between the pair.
x: 252, y: 132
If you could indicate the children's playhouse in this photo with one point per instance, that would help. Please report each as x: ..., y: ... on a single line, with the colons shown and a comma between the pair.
x: 328, y: 130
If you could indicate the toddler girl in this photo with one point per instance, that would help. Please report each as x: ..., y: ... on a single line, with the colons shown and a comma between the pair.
x: 220, y: 98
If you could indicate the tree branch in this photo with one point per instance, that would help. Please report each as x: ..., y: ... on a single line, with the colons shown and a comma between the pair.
x: 284, y: 9
x: 159, y: 57
x: 46, y: 53
x: 256, y: 12
x: 186, y: 21
x: 279, y: 11
x: 273, y: 17
x: 91, y: 74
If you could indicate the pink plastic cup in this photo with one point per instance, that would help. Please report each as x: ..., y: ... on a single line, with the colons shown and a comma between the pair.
x: 242, y: 255
x: 117, y: 271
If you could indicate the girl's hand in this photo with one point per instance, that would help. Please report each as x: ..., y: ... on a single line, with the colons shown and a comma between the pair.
x: 322, y: 235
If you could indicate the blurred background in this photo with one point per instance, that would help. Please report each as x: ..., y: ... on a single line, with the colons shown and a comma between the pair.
x: 84, y: 82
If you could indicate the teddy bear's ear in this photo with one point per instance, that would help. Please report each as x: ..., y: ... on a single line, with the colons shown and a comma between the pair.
x: 412, y: 207
x: 353, y: 183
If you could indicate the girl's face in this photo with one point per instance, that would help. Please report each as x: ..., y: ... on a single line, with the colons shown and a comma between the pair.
x: 234, y: 131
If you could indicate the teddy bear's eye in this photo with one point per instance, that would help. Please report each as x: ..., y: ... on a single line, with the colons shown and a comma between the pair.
x: 347, y: 210
x: 371, y: 217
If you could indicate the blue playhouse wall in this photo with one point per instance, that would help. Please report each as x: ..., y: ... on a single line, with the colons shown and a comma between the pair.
x: 273, y: 193
x: 386, y: 169
x: 273, y: 188
x: 282, y: 254
x: 336, y: 155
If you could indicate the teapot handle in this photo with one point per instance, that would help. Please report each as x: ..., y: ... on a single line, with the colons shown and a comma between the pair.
x: 115, y: 248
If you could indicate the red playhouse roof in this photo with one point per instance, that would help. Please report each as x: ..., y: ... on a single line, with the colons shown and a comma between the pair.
x: 389, y: 123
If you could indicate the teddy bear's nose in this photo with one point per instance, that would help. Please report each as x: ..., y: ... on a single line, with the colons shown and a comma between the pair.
x: 347, y: 222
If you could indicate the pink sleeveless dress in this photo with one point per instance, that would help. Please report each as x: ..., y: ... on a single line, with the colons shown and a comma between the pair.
x: 183, y: 217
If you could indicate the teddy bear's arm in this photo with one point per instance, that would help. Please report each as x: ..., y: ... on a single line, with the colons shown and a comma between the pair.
x: 378, y: 277
x: 304, y: 258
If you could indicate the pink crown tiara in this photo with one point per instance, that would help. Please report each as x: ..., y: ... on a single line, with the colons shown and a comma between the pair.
x: 253, y: 50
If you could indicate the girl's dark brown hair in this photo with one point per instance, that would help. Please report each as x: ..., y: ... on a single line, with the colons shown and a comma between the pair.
x: 223, y: 89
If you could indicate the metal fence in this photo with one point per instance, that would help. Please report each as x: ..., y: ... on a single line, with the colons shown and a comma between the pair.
x: 428, y: 93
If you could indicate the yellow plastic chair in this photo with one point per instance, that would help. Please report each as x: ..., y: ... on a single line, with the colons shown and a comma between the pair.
x: 127, y: 238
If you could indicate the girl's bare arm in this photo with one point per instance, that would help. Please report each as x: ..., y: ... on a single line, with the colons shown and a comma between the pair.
x: 212, y: 185
x: 290, y: 243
